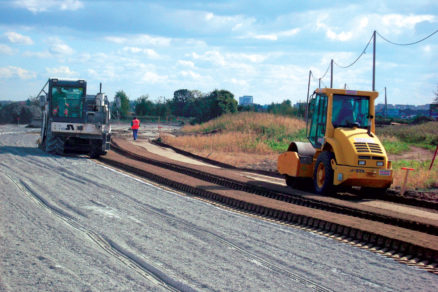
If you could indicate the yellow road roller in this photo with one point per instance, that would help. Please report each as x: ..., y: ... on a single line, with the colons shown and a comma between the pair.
x: 343, y: 149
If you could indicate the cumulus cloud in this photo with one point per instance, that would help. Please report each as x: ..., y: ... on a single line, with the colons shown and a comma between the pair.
x: 6, y: 50
x: 137, y: 40
x: 190, y: 74
x: 186, y: 63
x: 358, y: 27
x: 62, y: 71
x: 136, y: 50
x: 272, y: 36
x: 58, y: 47
x: 152, y: 77
x: 233, y: 22
x: 229, y: 59
x: 37, y: 6
x: 41, y: 55
x: 239, y: 82
x: 12, y: 71
x: 405, y: 21
x: 17, y: 38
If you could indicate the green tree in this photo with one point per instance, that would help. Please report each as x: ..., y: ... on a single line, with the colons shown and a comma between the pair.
x: 143, y: 106
x: 181, y: 102
x: 162, y: 107
x: 217, y: 103
x: 223, y: 102
x: 285, y: 108
x: 123, y: 103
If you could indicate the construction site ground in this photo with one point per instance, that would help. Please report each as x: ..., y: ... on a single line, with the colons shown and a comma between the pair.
x: 68, y: 223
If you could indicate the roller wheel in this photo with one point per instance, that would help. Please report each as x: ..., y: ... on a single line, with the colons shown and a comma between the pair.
x: 323, y: 173
x: 291, y: 181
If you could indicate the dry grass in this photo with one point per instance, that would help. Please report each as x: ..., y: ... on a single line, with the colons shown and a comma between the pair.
x: 253, y: 140
x: 232, y: 142
x: 419, y: 178
x: 255, y: 133
x: 249, y: 122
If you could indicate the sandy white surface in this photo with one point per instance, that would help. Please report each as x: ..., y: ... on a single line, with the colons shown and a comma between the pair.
x: 69, y: 224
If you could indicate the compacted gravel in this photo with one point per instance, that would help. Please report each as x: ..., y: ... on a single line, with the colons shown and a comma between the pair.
x: 70, y: 224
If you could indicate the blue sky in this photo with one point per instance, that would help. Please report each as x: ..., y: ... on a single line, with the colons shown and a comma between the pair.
x: 259, y: 48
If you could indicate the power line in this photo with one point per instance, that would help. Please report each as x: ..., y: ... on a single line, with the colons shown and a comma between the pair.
x: 357, y: 59
x: 326, y: 71
x: 407, y: 44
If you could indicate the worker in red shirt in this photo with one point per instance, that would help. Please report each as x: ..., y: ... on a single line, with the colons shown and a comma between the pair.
x: 135, y: 124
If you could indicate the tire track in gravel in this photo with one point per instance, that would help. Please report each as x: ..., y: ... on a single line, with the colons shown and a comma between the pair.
x: 201, y: 232
x: 134, y: 262
x: 117, y: 250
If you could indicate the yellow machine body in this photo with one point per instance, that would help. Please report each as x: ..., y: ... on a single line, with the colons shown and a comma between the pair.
x: 355, y: 155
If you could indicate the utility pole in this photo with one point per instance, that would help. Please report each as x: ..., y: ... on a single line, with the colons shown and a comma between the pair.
x: 319, y: 85
x: 331, y: 74
x: 374, y: 61
x: 386, y: 105
x: 308, y: 91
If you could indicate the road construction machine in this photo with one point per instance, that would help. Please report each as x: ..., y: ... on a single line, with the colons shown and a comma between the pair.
x: 343, y: 149
x: 72, y: 120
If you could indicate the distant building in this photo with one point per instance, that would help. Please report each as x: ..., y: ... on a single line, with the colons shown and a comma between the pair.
x: 246, y: 100
x: 433, y: 110
x: 404, y: 111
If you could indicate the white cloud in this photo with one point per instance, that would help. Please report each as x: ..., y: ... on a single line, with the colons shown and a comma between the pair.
x: 142, y: 39
x: 152, y: 77
x: 6, y: 50
x: 12, y: 71
x: 58, y: 47
x: 239, y: 82
x: 136, y: 50
x: 360, y: 26
x: 269, y: 37
x: 209, y: 16
x: 36, y: 6
x: 229, y: 59
x: 342, y: 36
x: 190, y: 74
x: 17, y: 38
x: 62, y: 71
x: 272, y: 36
x: 234, y: 22
x: 186, y: 63
x: 405, y: 21
x: 43, y: 54
x: 427, y: 49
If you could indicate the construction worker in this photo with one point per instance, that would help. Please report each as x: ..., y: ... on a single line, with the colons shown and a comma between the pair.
x: 135, y: 124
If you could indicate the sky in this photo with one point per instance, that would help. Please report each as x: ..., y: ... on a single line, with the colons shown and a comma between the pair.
x: 249, y: 47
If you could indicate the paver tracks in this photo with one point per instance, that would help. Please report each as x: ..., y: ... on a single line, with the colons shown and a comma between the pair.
x: 407, y: 241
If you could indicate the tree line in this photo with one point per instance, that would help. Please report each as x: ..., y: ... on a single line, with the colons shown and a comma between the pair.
x: 185, y: 103
x: 194, y: 104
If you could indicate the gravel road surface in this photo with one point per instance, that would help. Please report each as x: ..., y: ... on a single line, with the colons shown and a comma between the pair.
x: 70, y: 224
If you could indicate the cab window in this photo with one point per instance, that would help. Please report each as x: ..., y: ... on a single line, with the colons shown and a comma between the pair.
x: 67, y: 102
x: 349, y: 111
